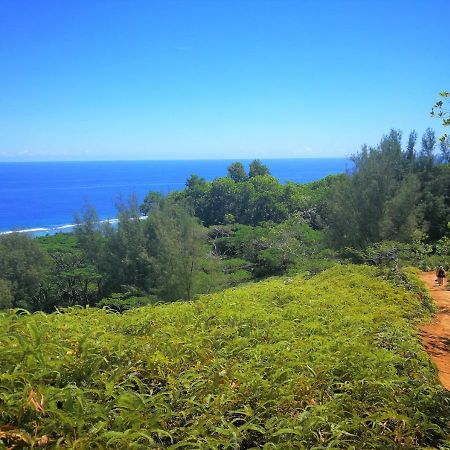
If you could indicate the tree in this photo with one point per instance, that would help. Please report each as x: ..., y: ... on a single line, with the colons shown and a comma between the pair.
x: 236, y: 172
x: 196, y: 194
x: 126, y: 263
x: 266, y: 203
x: 427, y: 158
x: 181, y: 258
x: 6, y: 294
x: 444, y: 147
x: 88, y: 233
x: 73, y: 280
x: 258, y: 168
x: 73, y: 277
x: 371, y: 204
x: 220, y: 199
x: 152, y: 200
x: 25, y: 266
x: 428, y: 143
x: 441, y: 110
x: 400, y: 220
x: 411, y: 146
x: 436, y: 200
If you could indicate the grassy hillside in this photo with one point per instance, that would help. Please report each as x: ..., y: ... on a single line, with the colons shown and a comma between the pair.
x: 329, y: 362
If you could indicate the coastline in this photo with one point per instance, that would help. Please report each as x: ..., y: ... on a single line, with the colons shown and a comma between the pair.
x: 44, y: 231
x: 41, y: 198
x: 41, y: 231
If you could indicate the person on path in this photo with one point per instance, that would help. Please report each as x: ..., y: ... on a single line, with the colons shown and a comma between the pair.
x: 440, y: 273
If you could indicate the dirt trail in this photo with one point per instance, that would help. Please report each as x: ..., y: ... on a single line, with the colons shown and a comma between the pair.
x: 436, y: 334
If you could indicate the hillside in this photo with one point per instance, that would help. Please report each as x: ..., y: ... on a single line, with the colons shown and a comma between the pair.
x: 332, y: 361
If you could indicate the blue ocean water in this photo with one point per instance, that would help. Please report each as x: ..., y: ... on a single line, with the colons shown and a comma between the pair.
x: 46, y: 195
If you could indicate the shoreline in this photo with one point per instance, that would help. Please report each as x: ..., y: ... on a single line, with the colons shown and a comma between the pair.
x: 35, y: 232
x: 50, y: 231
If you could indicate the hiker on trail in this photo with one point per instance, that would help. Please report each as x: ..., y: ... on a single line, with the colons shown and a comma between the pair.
x: 440, y: 273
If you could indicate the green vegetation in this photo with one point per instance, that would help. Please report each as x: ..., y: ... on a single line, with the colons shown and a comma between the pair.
x: 289, y: 247
x: 242, y: 227
x: 333, y: 361
x: 440, y: 110
x: 22, y: 270
x: 327, y: 358
x: 250, y: 199
x: 210, y: 236
x: 393, y: 194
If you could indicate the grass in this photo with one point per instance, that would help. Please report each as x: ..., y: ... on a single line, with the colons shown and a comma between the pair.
x: 329, y: 362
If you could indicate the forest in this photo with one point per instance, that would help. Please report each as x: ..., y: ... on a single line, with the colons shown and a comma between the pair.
x: 394, y: 205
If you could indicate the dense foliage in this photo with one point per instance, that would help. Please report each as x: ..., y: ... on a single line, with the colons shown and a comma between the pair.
x: 258, y: 227
x: 289, y: 247
x: 249, y: 199
x: 329, y: 362
x: 393, y: 194
x: 245, y: 226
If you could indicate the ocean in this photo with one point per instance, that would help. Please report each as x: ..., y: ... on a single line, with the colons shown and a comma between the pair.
x: 42, y: 197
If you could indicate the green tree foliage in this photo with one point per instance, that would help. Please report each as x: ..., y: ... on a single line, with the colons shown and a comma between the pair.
x: 170, y: 254
x: 72, y: 281
x: 391, y: 195
x: 166, y: 253
x: 436, y: 200
x: 24, y: 265
x: 258, y: 199
x: 6, y: 294
x: 411, y: 146
x: 72, y: 277
x: 441, y: 110
x: 358, y: 203
x: 218, y: 233
x: 181, y: 259
x: 272, y: 250
x: 257, y: 168
x: 267, y: 202
x: 427, y: 157
x: 221, y: 199
x: 88, y: 232
x: 152, y: 200
x: 402, y: 214
x: 444, y: 148
x: 126, y: 262
x: 237, y: 173
x: 196, y: 190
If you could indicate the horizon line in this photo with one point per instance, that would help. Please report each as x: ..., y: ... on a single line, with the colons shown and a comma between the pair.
x: 169, y: 160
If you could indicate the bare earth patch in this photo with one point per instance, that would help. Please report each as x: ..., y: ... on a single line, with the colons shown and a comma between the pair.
x: 436, y: 334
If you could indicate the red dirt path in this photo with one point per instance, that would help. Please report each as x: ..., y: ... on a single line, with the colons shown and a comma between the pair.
x: 436, y: 334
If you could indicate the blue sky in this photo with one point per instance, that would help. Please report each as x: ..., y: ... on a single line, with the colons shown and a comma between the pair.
x: 95, y: 80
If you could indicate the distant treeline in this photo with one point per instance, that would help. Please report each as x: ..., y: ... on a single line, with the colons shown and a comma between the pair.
x: 248, y: 199
x: 238, y: 228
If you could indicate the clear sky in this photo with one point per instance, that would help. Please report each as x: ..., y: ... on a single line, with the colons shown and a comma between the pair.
x: 161, y: 79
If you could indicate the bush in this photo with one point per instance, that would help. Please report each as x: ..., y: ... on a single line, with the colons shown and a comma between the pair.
x: 329, y: 362
x: 121, y: 303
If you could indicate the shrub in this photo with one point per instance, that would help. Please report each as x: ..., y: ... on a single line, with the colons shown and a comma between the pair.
x: 329, y: 362
x: 121, y: 302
